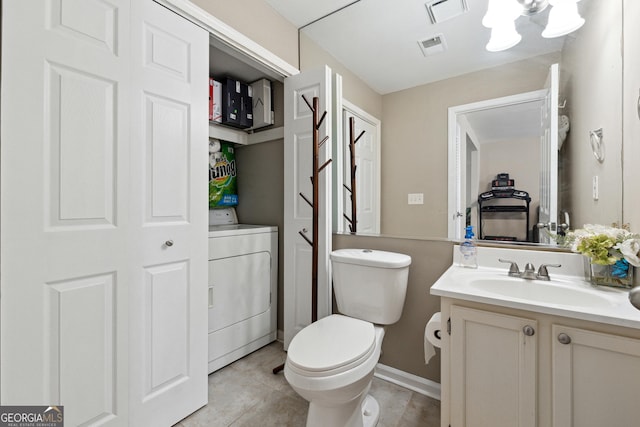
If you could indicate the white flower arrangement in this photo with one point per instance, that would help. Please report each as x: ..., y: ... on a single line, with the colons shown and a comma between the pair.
x: 605, y: 245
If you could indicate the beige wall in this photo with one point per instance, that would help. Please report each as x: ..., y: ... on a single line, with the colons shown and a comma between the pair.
x: 258, y: 21
x: 592, y: 86
x: 414, y: 141
x: 402, y: 347
x: 520, y: 159
x: 353, y: 89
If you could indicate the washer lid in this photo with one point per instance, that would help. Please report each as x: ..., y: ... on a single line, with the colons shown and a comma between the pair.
x: 330, y: 343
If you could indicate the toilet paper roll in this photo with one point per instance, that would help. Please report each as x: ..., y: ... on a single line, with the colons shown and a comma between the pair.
x: 432, y: 337
x: 214, y: 145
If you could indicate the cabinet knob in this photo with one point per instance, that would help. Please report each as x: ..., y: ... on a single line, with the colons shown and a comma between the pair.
x: 528, y: 330
x: 169, y: 243
x: 564, y: 338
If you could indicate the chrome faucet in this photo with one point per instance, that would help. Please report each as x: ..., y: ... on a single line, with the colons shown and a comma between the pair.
x: 529, y: 272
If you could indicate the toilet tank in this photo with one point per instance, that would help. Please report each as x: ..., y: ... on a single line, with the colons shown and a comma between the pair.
x: 370, y: 285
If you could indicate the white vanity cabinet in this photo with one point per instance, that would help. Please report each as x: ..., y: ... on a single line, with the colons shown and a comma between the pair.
x: 493, y: 377
x: 595, y: 378
x: 509, y: 367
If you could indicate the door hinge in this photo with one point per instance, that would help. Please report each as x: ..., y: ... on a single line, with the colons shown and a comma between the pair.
x: 449, y: 326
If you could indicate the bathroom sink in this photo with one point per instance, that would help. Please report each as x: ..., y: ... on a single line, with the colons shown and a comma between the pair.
x: 567, y: 294
x: 543, y: 292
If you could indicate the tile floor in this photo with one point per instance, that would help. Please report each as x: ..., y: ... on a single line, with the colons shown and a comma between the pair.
x: 247, y: 394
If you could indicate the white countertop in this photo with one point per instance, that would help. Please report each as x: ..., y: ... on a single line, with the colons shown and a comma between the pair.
x: 610, y: 305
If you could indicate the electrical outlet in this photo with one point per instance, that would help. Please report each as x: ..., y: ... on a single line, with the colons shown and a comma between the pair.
x: 596, y: 189
x: 415, y: 199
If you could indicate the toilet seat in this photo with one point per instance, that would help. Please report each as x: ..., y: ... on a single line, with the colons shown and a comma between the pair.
x: 331, y: 345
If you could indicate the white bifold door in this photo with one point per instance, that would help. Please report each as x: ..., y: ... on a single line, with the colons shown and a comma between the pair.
x: 103, y: 211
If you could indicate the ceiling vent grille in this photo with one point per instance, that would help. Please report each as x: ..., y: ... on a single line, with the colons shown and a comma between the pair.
x: 433, y: 45
x: 442, y: 10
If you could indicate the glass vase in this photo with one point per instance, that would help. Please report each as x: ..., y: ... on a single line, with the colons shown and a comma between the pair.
x: 619, y: 275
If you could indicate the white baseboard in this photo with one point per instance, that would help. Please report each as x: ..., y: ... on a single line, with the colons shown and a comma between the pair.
x: 409, y: 381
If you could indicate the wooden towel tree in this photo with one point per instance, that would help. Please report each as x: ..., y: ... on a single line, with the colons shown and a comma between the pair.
x: 314, y: 203
x: 353, y: 220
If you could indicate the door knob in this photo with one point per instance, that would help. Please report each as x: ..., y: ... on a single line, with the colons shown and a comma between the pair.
x: 528, y: 331
x: 564, y: 338
x: 169, y: 243
x: 550, y: 225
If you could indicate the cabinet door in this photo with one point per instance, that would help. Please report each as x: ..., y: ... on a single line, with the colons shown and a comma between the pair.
x: 64, y: 229
x: 493, y: 369
x: 596, y: 378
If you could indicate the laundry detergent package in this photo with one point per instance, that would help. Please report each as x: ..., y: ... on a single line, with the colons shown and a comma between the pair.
x: 222, y: 175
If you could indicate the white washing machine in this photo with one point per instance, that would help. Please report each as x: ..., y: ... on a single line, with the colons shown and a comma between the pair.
x: 243, y: 286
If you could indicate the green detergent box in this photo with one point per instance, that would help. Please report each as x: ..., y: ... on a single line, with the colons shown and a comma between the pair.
x: 223, y: 189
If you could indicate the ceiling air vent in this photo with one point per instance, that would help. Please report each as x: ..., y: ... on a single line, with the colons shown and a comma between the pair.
x: 441, y: 10
x: 433, y: 45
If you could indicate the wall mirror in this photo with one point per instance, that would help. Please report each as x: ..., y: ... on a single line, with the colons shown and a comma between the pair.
x: 417, y: 70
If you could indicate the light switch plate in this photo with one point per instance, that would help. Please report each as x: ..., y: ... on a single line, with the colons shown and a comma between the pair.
x: 415, y: 199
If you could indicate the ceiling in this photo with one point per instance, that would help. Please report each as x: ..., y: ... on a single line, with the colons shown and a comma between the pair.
x: 378, y: 39
x: 512, y: 122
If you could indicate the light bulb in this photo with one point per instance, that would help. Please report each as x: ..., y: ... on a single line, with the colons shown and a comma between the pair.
x: 563, y: 18
x: 503, y: 37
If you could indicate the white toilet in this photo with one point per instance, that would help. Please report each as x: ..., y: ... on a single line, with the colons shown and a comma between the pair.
x: 331, y: 362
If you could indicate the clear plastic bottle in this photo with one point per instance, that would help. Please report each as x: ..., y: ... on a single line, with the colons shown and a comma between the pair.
x: 469, y: 250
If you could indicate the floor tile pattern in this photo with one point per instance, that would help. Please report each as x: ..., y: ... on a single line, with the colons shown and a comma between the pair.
x: 247, y: 394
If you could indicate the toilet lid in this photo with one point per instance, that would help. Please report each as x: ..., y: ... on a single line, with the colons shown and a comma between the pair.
x: 330, y: 343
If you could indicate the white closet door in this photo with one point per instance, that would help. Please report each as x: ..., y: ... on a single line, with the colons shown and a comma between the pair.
x: 367, y: 169
x: 168, y: 296
x: 549, y: 158
x: 297, y: 213
x: 64, y: 224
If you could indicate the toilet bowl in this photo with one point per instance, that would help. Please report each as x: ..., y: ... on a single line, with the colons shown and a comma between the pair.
x: 331, y: 362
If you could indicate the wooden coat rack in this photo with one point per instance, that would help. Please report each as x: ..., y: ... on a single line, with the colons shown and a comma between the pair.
x: 353, y: 220
x: 314, y: 203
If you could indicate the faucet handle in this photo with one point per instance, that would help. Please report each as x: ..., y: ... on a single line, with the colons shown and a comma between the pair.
x: 529, y: 272
x: 513, y: 269
x: 543, y: 274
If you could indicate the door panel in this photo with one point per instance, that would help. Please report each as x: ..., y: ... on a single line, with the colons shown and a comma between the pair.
x: 166, y: 53
x: 367, y: 171
x: 91, y: 21
x: 488, y: 390
x: 297, y: 213
x: 549, y: 158
x: 166, y: 331
x: 81, y: 141
x: 167, y: 155
x: 594, y: 361
x: 63, y: 224
x: 81, y: 348
x: 168, y: 214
